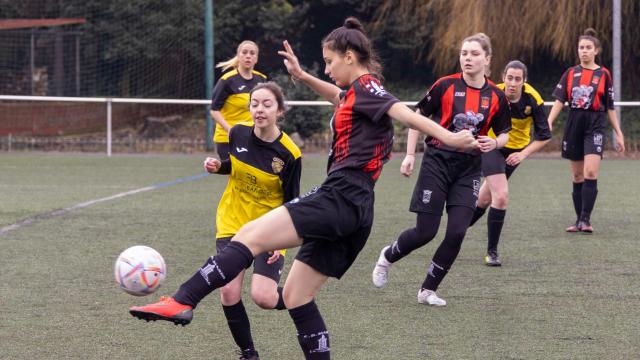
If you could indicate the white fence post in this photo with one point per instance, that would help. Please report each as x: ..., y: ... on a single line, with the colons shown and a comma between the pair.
x: 109, y: 124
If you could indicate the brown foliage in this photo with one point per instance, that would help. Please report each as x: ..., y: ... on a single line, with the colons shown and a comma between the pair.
x: 519, y: 29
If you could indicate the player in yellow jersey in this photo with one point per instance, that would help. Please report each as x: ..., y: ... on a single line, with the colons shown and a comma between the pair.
x: 527, y: 112
x: 264, y: 168
x: 230, y: 101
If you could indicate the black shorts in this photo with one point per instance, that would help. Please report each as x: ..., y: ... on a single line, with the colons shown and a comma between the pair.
x: 223, y: 150
x: 494, y: 162
x: 446, y: 176
x: 260, y: 266
x: 334, y: 221
x: 584, y: 134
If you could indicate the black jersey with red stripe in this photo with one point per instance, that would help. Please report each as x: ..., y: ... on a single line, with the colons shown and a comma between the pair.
x: 460, y: 106
x: 362, y: 130
x: 586, y: 89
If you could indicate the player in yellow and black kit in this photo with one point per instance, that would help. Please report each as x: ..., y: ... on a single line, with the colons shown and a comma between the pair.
x: 230, y: 101
x: 264, y: 167
x: 527, y: 113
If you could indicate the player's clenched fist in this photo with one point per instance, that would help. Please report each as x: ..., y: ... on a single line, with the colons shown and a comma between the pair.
x: 211, y: 165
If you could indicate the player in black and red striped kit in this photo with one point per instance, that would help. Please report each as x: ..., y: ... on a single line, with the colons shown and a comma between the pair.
x: 450, y: 176
x: 332, y: 222
x: 588, y: 88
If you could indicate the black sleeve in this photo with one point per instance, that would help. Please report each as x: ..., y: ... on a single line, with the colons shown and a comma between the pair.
x: 540, y: 125
x: 291, y: 179
x: 372, y: 99
x: 501, y: 122
x: 608, y: 94
x: 560, y: 92
x: 432, y: 101
x: 225, y: 167
x: 220, y: 95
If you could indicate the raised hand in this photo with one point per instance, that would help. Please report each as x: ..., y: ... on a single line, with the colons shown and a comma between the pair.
x: 291, y: 61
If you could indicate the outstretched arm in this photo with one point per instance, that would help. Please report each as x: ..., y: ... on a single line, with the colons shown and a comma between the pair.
x: 325, y: 89
x: 461, y: 140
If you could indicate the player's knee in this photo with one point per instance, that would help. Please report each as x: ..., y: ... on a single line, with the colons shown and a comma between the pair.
x: 230, y: 294
x: 591, y: 174
x: 292, y: 299
x: 500, y: 199
x: 264, y: 299
x: 578, y: 177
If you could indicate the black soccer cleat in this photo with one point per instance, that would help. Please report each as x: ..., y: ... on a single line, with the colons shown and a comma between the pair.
x: 492, y: 259
x: 248, y: 354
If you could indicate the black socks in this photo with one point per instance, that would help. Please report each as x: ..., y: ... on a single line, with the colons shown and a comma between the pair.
x: 576, y: 195
x: 495, y: 220
x: 589, y: 194
x: 239, y: 325
x: 215, y: 273
x: 312, y: 332
x: 280, y: 305
x: 477, y: 215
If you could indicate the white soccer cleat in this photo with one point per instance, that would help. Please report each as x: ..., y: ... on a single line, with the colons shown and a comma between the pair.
x: 429, y: 297
x: 381, y: 270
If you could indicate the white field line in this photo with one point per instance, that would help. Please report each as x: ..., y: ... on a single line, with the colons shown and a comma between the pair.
x: 59, y: 212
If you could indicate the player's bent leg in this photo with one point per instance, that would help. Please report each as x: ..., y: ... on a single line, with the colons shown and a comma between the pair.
x: 272, y: 231
x: 264, y: 291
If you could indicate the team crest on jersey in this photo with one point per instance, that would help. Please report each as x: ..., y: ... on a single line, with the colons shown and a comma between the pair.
x: 581, y: 96
x: 277, y: 165
x: 484, y: 102
x: 527, y: 110
x: 467, y: 121
x: 595, y: 79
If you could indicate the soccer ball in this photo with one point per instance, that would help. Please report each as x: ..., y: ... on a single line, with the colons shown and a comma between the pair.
x: 140, y: 270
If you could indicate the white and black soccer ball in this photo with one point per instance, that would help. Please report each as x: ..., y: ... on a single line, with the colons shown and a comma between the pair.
x: 140, y: 270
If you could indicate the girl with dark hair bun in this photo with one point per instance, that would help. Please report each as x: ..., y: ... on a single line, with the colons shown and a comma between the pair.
x: 330, y: 223
x: 588, y: 88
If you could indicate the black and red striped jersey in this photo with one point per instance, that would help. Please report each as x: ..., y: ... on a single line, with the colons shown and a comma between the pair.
x: 362, y: 130
x: 460, y: 106
x: 586, y: 89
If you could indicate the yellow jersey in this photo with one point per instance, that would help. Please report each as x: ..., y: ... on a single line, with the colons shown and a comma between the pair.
x: 231, y: 98
x: 526, y: 114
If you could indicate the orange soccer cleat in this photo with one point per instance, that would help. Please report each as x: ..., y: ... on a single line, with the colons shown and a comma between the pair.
x: 166, y: 309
